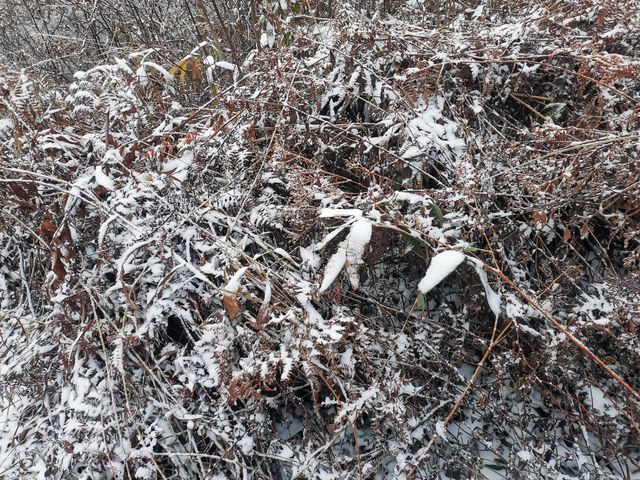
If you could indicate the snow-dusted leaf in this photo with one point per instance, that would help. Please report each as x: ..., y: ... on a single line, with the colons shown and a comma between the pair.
x: 441, y: 266
x: 339, y: 212
x: 327, y: 239
x: 234, y: 283
x: 333, y: 268
x: 117, y: 355
x: 357, y: 240
x: 229, y: 299
x: 349, y: 255
x: 493, y: 298
x: 103, y: 179
x: 124, y: 65
x: 141, y: 75
x: 165, y: 74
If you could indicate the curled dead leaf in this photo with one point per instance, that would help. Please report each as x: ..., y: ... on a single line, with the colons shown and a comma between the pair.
x: 58, y: 267
x: 231, y: 306
x: 584, y: 230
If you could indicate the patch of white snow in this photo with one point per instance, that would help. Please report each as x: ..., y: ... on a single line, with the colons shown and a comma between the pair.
x: 441, y: 266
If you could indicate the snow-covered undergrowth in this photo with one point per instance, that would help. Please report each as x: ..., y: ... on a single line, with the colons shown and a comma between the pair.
x: 288, y: 269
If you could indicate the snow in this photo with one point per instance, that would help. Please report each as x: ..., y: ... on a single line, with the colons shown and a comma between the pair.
x: 268, y: 37
x: 144, y: 473
x: 246, y: 444
x: 57, y: 144
x: 525, y: 455
x: 410, y: 197
x: 412, y: 152
x: 234, y: 284
x: 330, y: 236
x: 102, y: 179
x: 196, y: 203
x: 284, y: 254
x: 286, y: 452
x: 226, y: 65
x: 230, y: 67
x: 333, y: 268
x: 596, y: 308
x: 6, y: 125
x: 478, y: 12
x: 349, y: 255
x: 267, y: 294
x: 597, y: 399
x: 303, y: 298
x: 493, y: 298
x: 309, y: 257
x: 336, y: 212
x: 141, y: 74
x: 167, y: 76
x: 441, y: 266
x: 124, y: 65
x: 441, y: 429
x: 358, y: 238
x: 179, y: 167
x: 352, y: 408
x: 76, y: 191
x: 346, y: 358
x: 431, y: 129
x: 476, y: 107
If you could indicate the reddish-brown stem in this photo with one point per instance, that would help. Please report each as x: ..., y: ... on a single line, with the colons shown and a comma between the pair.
x: 562, y: 329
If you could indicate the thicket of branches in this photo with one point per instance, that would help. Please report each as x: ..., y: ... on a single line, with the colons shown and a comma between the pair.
x: 216, y: 229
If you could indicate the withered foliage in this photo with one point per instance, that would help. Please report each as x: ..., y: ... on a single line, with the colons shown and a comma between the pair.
x: 210, y: 269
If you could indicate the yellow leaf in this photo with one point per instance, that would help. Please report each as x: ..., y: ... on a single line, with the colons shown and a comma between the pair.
x: 180, y: 69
